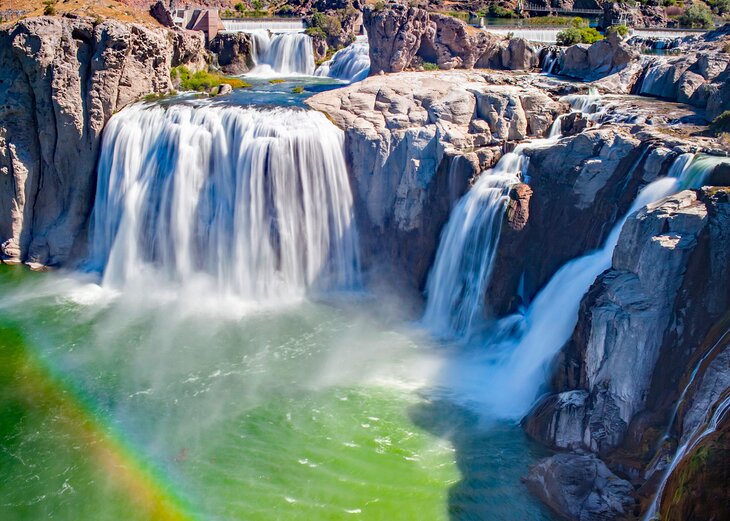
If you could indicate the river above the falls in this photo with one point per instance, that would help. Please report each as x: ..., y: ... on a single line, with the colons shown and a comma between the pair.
x: 130, y: 406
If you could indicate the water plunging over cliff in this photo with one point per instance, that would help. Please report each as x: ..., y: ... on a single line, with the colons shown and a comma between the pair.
x: 460, y: 274
x: 285, y: 54
x: 506, y: 377
x: 350, y: 64
x: 256, y: 202
x: 704, y: 429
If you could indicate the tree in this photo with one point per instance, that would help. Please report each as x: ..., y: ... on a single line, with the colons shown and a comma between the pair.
x: 696, y: 15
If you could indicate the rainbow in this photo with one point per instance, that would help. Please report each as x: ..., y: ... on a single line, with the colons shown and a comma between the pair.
x: 31, y: 382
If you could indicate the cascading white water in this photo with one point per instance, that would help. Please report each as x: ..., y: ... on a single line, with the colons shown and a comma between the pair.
x: 506, y: 378
x: 350, y: 64
x: 460, y: 274
x: 255, y: 202
x: 541, y: 35
x: 552, y: 315
x: 721, y: 411
x: 549, y: 61
x: 283, y: 54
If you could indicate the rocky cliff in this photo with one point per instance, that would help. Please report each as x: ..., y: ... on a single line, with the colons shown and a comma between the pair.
x: 403, y: 37
x: 642, y: 331
x: 63, y: 78
x: 415, y: 140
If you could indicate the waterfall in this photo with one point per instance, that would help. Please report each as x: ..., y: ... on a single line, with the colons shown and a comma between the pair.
x: 540, y: 35
x: 284, y: 54
x: 350, y: 64
x: 552, y: 315
x: 507, y: 377
x: 255, y: 202
x: 722, y: 409
x: 552, y: 57
x: 654, y: 69
x: 458, y: 280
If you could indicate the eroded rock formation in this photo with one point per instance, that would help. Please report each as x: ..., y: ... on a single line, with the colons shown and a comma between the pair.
x: 414, y: 141
x: 63, y: 78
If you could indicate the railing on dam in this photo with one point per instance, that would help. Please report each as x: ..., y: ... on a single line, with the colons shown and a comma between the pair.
x: 275, y: 25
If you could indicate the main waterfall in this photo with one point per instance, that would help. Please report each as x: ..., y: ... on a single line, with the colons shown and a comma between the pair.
x: 256, y: 202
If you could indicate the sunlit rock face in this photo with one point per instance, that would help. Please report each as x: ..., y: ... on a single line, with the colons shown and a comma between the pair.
x: 413, y: 142
x: 63, y: 80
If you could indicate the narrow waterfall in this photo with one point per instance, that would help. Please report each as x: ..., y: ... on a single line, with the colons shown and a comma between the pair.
x: 281, y: 54
x: 654, y: 69
x: 255, y: 202
x: 349, y: 64
x: 551, y: 317
x: 459, y: 277
x: 551, y: 58
x: 722, y: 409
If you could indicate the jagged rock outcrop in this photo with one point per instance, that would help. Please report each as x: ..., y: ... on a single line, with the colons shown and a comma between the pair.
x: 403, y: 37
x: 603, y: 58
x: 580, y: 487
x: 642, y: 338
x: 63, y: 78
x: 638, y: 15
x: 414, y: 140
x: 233, y: 52
x: 598, y: 173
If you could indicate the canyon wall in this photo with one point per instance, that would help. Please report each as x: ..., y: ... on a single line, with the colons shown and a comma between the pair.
x: 63, y: 78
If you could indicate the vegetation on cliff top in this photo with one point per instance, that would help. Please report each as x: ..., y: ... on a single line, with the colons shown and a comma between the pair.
x: 578, y: 33
x: 203, y: 80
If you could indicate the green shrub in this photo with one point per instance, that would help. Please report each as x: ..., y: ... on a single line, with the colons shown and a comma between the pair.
x: 696, y: 15
x: 553, y: 20
x: 315, y: 32
x: 621, y: 30
x: 298, y: 89
x: 330, y: 25
x: 276, y: 80
x: 721, y: 123
x: 429, y: 66
x: 203, y: 80
x: 721, y: 7
x: 574, y: 35
x: 500, y: 12
x: 240, y: 7
x: 49, y: 8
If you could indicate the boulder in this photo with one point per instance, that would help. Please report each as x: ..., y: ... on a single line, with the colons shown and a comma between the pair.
x: 580, y: 488
x: 233, y: 52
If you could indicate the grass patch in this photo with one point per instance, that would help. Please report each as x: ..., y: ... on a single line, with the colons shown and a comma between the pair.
x: 429, y: 66
x: 157, y: 96
x: 203, y: 80
x: 276, y: 80
x: 721, y: 124
x: 298, y: 89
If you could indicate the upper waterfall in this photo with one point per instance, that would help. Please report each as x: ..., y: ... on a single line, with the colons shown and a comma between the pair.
x: 257, y: 202
x: 284, y: 54
x: 350, y: 64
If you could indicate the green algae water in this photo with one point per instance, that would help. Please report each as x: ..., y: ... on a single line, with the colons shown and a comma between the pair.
x: 113, y: 407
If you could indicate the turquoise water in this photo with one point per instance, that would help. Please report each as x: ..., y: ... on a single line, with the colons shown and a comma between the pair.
x: 310, y: 410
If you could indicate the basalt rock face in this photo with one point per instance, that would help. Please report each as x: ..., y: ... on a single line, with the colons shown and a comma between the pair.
x: 402, y: 37
x: 652, y: 330
x: 413, y: 142
x: 598, y: 174
x: 63, y: 78
x: 603, y: 58
x: 233, y: 52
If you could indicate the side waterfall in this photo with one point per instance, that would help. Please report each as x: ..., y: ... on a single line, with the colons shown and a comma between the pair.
x: 459, y: 277
x: 255, y: 202
x: 349, y: 64
x: 283, y: 54
x: 507, y: 377
x: 703, y: 430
